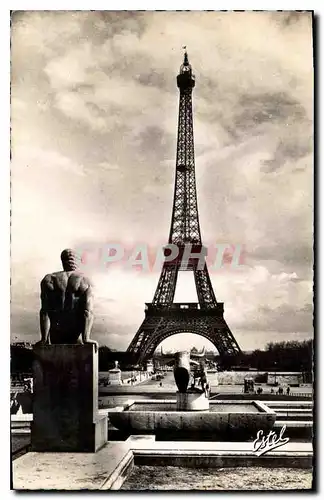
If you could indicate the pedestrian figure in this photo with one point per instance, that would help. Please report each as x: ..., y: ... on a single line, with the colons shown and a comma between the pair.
x: 288, y: 391
x: 14, y: 405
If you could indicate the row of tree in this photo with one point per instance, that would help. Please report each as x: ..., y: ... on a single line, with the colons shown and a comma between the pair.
x: 278, y: 356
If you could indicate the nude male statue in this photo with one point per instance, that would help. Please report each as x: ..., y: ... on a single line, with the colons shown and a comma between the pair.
x: 66, y: 315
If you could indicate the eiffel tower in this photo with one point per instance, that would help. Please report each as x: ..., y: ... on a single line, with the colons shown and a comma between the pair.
x: 164, y: 317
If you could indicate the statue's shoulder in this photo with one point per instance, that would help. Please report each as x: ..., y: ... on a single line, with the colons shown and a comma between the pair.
x: 77, y: 277
x: 51, y: 278
x: 48, y: 279
x: 47, y: 284
x: 86, y: 282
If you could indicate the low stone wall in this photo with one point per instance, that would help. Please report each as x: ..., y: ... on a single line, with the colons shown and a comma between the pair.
x: 285, y: 378
x: 126, y: 377
x: 237, y: 378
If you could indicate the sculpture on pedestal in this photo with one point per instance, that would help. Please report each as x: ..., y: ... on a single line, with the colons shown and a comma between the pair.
x: 192, y: 397
x: 182, y: 372
x: 65, y: 372
x: 66, y: 314
x: 114, y: 375
x: 200, y: 374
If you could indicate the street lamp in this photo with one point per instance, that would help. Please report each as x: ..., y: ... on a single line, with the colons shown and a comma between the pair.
x: 275, y: 374
x: 303, y: 375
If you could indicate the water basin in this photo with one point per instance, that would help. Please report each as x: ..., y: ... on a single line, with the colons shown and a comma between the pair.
x: 221, y: 407
x: 230, y: 420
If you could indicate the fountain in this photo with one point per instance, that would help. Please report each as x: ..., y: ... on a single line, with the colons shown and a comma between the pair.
x: 193, y: 415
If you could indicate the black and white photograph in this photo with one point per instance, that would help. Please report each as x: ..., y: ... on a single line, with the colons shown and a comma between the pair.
x: 161, y: 253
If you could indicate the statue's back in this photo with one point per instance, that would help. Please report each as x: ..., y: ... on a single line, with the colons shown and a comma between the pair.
x: 64, y: 294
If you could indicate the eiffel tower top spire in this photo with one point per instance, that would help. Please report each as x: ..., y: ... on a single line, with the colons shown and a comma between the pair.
x: 185, y: 79
x: 185, y: 58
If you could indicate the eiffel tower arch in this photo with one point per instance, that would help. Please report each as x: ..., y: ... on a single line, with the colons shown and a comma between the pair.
x: 164, y: 317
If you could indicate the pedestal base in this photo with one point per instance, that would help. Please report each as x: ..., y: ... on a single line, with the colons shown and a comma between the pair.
x: 94, y: 437
x: 192, y: 401
x: 65, y: 404
x: 114, y: 377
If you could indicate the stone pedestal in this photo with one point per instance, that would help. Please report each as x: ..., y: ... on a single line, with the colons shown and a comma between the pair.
x: 149, y: 367
x: 114, y: 375
x: 65, y: 404
x: 192, y: 401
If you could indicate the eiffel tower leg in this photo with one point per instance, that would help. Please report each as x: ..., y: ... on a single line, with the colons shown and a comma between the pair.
x: 165, y: 290
x: 223, y: 339
x: 205, y: 292
x: 145, y: 333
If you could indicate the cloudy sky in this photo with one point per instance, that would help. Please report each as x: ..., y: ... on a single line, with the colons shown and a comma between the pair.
x: 94, y: 119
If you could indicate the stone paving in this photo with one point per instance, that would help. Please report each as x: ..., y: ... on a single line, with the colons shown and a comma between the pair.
x: 109, y: 467
x: 180, y: 478
x: 68, y: 471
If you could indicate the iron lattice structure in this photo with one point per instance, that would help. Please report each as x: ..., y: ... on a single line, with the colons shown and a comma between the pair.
x: 163, y: 317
